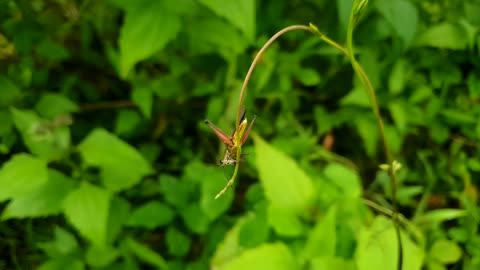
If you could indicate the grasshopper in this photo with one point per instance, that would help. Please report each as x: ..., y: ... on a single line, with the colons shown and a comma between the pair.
x: 233, y: 145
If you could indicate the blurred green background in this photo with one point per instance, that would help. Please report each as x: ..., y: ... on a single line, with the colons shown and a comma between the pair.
x: 107, y: 164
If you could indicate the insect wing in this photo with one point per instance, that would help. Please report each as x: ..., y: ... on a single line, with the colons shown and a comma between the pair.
x: 220, y: 134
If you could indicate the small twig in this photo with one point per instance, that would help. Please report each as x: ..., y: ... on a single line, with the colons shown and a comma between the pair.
x: 107, y: 105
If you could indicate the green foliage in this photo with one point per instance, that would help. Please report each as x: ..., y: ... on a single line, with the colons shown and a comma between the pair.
x: 104, y: 152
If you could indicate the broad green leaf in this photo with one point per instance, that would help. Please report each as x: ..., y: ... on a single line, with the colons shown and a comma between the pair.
x: 441, y: 215
x: 445, y: 251
x: 101, y: 256
x: 268, y: 256
x: 175, y: 191
x: 399, y: 76
x: 356, y: 97
x: 212, y: 207
x: 255, y: 230
x: 143, y: 98
x: 216, y: 36
x: 377, y: 248
x: 22, y: 175
x: 62, y: 263
x: 86, y: 208
x: 121, y: 165
x: 345, y: 179
x: 284, y: 222
x: 145, y: 254
x: 399, y: 115
x: 459, y: 117
x: 65, y: 242
x: 329, y: 262
x: 52, y: 50
x: 51, y: 105
x: 151, y: 215
x: 45, y: 200
x: 178, y: 243
x: 322, y: 239
x: 148, y: 28
x: 444, y: 36
x: 473, y: 82
x: 395, y: 12
x: 285, y: 184
x: 308, y: 77
x: 195, y: 219
x: 127, y: 123
x: 41, y: 137
x: 118, y: 214
x: 9, y: 91
x: 239, y: 13
x: 230, y: 247
x: 368, y: 130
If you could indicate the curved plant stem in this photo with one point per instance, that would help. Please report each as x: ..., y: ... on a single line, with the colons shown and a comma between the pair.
x: 257, y: 58
x: 355, y: 14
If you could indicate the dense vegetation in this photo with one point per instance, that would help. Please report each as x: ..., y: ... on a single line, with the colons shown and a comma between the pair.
x: 106, y: 160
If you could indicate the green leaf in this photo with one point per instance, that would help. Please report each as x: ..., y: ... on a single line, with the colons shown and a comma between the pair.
x: 230, y: 247
x: 145, y: 254
x: 143, y: 98
x: 148, y: 27
x: 368, y: 130
x: 121, y: 165
x: 255, y: 229
x: 356, y: 97
x: 322, y: 239
x: 101, y: 256
x: 176, y: 192
x: 345, y: 179
x: 127, y: 122
x: 65, y: 242
x: 308, y: 76
x: 195, y: 219
x: 9, y: 93
x: 45, y: 200
x: 399, y: 115
x: 239, y: 13
x: 118, y: 214
x: 473, y: 82
x: 62, y: 263
x: 178, y: 243
x: 399, y: 76
x: 444, y: 36
x: 380, y: 238
x: 441, y: 215
x: 445, y: 251
x: 52, y: 105
x: 329, y: 262
x: 41, y: 138
x: 86, y: 209
x: 286, y: 185
x: 22, y: 175
x: 51, y: 50
x: 212, y: 207
x: 268, y: 256
x: 216, y: 37
x: 395, y: 13
x: 284, y: 222
x: 151, y: 215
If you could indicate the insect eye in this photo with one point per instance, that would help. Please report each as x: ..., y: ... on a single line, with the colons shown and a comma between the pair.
x: 221, y: 161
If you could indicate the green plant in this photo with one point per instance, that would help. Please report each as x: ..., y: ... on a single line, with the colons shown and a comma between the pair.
x: 103, y: 145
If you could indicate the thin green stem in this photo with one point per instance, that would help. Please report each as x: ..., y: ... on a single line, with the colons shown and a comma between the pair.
x: 255, y: 61
x: 355, y: 13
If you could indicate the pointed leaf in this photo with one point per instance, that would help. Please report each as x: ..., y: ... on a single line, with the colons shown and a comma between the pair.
x: 268, y: 256
x: 148, y: 27
x: 87, y: 210
x: 286, y: 185
x: 121, y: 165
x: 22, y: 175
x: 44, y: 201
